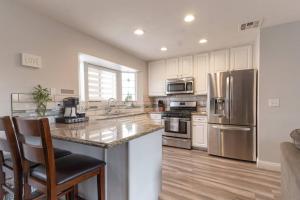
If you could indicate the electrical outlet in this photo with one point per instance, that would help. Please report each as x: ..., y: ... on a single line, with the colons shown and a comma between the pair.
x: 275, y: 102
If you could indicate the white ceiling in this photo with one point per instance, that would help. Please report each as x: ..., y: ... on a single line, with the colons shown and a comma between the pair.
x: 113, y: 21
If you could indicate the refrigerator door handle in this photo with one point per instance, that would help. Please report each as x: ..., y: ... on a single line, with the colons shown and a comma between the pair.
x: 235, y: 128
x: 231, y: 93
x: 227, y: 103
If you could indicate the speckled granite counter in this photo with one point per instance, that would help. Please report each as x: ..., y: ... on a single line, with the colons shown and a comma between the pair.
x: 103, y: 133
x: 116, y: 116
x: 130, y: 147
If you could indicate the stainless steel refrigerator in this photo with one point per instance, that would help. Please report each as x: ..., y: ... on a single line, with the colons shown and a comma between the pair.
x: 232, y: 104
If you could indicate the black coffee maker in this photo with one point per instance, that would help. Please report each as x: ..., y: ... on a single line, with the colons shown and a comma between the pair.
x: 70, y: 114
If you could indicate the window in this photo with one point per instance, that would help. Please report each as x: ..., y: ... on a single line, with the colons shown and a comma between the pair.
x: 129, y: 86
x: 101, y: 83
x: 98, y: 83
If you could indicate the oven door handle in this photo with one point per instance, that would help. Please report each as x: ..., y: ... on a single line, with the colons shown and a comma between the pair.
x: 180, y: 119
x: 185, y: 120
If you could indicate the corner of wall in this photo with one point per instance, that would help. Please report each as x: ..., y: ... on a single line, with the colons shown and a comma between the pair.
x: 268, y: 165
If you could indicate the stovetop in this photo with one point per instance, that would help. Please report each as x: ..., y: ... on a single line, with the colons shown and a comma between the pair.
x: 178, y: 114
x: 181, y: 109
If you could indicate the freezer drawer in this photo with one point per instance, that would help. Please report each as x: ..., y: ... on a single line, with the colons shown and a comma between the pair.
x: 238, y: 142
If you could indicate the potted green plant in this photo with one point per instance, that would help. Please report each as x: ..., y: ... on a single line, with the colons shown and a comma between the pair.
x: 41, y: 96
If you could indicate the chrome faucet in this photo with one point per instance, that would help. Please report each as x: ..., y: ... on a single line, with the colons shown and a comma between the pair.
x: 109, y: 105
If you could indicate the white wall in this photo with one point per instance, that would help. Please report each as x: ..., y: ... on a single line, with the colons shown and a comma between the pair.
x: 279, y: 77
x: 23, y: 30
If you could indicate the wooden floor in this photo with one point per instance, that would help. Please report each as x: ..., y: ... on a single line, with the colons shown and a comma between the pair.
x: 194, y: 175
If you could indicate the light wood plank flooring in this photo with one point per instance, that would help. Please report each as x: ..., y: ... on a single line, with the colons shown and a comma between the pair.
x: 194, y: 175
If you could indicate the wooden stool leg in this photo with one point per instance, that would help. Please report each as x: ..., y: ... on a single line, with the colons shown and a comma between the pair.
x: 101, y: 184
x: 27, y: 191
x: 75, y: 195
x: 2, y: 182
x: 69, y: 195
x: 2, y: 177
x: 27, y: 187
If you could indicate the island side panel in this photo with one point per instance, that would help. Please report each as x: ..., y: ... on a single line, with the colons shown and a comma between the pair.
x: 145, y: 165
x: 116, y: 159
x: 117, y: 172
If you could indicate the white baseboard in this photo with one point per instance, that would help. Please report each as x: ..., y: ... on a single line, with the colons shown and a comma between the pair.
x: 268, y: 165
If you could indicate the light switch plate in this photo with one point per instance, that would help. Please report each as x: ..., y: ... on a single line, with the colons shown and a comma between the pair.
x: 30, y: 60
x: 275, y: 102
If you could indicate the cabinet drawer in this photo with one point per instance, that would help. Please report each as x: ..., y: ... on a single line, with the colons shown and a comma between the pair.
x: 155, y: 116
x: 199, y: 119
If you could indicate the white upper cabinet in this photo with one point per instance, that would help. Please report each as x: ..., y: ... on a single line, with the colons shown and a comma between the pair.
x: 157, y: 78
x: 179, y: 67
x: 172, y: 67
x: 201, y: 67
x: 219, y: 61
x: 186, y: 66
x: 241, y: 58
x: 198, y: 66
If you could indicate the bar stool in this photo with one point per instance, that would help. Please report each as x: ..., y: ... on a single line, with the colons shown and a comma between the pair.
x: 10, y: 160
x: 53, y: 177
x: 10, y: 165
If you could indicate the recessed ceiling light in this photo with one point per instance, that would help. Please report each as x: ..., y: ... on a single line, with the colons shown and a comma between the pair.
x: 203, y: 41
x: 189, y: 18
x: 164, y: 49
x: 139, y: 31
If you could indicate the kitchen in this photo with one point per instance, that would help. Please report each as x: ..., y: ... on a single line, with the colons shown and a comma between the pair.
x: 190, y: 105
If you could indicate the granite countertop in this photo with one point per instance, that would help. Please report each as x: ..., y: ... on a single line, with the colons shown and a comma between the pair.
x: 155, y: 112
x: 120, y: 115
x: 103, y: 133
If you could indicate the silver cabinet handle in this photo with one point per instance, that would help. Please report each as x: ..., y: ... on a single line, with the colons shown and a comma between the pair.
x: 233, y: 128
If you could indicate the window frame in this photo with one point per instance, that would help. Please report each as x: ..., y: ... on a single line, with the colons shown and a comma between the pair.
x: 119, y: 82
x: 135, y: 85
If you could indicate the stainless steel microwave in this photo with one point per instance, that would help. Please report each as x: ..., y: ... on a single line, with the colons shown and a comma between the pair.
x: 180, y: 86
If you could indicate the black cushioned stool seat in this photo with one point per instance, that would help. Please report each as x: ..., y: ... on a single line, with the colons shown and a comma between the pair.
x: 58, y: 153
x: 68, y: 168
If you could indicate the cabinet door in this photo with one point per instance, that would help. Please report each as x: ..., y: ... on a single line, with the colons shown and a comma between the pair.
x: 241, y: 58
x: 199, y: 135
x: 172, y: 66
x: 219, y: 61
x: 157, y: 78
x: 155, y: 116
x: 186, y: 66
x: 201, y: 66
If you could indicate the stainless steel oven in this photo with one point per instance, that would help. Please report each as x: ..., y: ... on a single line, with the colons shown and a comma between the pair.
x: 177, y: 127
x: 177, y: 124
x: 180, y: 86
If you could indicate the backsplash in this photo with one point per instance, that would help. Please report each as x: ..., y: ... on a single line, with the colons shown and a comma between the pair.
x: 201, y: 101
x: 23, y: 105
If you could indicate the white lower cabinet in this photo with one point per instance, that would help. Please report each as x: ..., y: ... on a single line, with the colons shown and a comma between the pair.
x: 199, y: 131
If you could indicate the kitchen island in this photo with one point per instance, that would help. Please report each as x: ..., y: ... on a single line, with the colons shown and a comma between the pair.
x: 132, y: 151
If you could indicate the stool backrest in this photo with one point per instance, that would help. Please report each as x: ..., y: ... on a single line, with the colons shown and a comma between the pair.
x: 36, y: 144
x: 9, y: 144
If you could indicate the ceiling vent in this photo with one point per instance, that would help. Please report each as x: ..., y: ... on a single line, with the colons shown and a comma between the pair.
x: 249, y: 25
